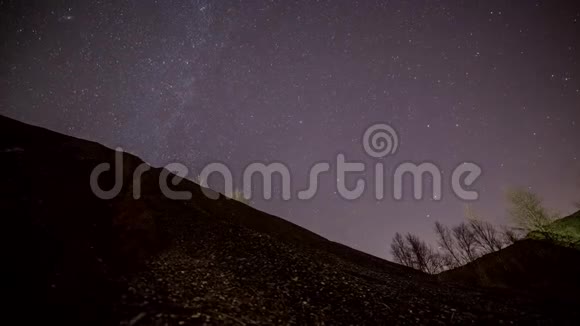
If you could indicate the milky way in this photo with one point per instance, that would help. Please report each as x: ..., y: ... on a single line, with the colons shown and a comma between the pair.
x: 297, y: 82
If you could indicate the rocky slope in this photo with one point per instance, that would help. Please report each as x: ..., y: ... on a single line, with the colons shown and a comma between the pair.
x: 72, y: 258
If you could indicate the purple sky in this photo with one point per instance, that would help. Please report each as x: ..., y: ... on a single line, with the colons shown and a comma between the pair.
x: 298, y: 82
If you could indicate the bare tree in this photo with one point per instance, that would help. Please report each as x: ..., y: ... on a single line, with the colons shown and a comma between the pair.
x: 448, y: 245
x: 436, y: 262
x: 527, y: 212
x: 401, y: 252
x: 413, y: 252
x: 466, y: 242
x: 420, y: 251
x: 486, y: 235
x: 458, y: 245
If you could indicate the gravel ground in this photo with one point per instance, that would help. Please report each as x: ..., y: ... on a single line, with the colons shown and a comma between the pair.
x: 231, y: 275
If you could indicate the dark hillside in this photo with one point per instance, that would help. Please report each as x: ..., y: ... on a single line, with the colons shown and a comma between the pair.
x: 538, y: 267
x: 73, y: 258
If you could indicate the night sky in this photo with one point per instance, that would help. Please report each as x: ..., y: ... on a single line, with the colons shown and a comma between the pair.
x: 492, y: 82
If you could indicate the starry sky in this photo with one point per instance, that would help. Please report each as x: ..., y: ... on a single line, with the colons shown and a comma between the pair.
x: 195, y: 82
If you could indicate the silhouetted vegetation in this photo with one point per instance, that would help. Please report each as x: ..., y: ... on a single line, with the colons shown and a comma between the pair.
x: 236, y: 195
x: 527, y: 212
x: 458, y: 245
x: 239, y: 196
x: 411, y: 251
x: 469, y: 240
x: 530, y: 216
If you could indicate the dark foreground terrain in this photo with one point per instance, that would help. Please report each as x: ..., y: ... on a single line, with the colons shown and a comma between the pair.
x: 72, y: 258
